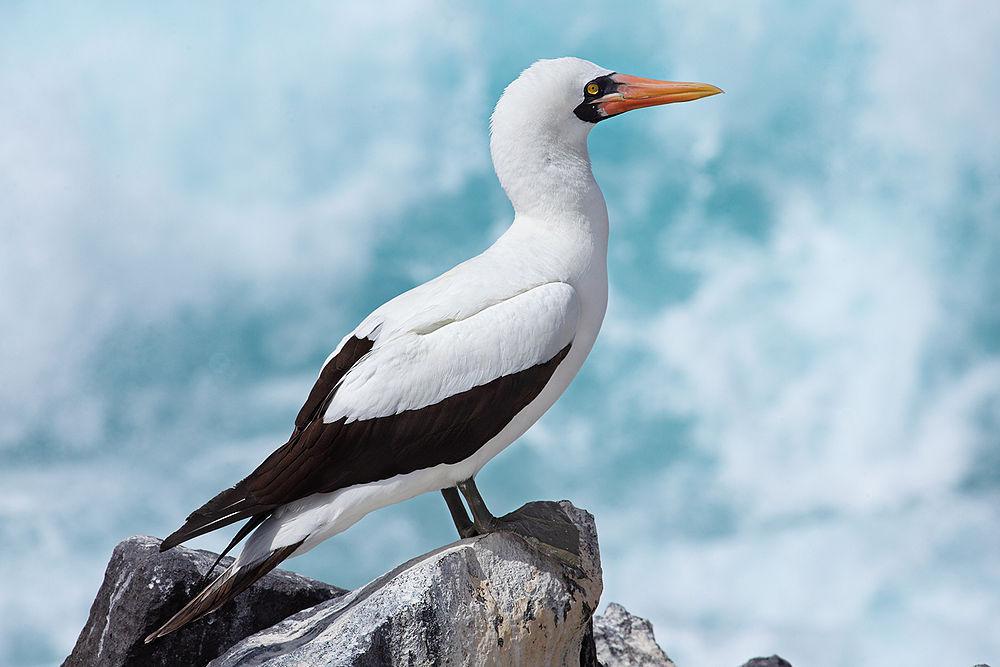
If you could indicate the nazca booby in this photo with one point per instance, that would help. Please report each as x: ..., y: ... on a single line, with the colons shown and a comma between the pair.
x: 440, y: 379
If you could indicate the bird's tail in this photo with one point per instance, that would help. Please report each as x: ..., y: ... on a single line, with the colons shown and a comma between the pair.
x: 233, y: 581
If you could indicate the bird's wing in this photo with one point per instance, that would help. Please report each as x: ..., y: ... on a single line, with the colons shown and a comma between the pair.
x: 392, y: 400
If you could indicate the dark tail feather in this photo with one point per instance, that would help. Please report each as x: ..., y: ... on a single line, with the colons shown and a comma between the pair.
x: 224, y: 588
x: 247, y: 528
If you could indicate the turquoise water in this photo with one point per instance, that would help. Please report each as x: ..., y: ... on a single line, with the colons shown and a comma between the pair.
x: 788, y: 431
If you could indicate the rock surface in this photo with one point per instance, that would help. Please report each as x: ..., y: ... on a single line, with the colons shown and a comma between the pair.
x: 142, y: 588
x: 505, y: 598
x: 524, y: 596
x: 624, y: 639
x: 773, y: 661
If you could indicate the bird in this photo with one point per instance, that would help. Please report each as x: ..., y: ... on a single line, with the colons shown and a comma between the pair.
x: 440, y: 379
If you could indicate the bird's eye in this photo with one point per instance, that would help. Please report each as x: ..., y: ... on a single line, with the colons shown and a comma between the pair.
x: 593, y: 88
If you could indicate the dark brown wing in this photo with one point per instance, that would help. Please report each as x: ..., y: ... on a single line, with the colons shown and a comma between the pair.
x: 232, y: 505
x: 333, y: 371
x: 321, y: 457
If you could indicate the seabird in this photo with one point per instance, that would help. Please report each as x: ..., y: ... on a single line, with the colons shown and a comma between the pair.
x: 436, y: 382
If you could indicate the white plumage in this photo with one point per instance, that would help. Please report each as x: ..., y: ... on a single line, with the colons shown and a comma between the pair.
x: 540, y: 286
x: 420, y: 365
x: 439, y: 380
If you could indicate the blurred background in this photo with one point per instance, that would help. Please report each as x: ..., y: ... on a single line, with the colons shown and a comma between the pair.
x: 789, y: 431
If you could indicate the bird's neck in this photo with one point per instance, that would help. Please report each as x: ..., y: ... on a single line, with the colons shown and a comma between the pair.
x: 549, y: 179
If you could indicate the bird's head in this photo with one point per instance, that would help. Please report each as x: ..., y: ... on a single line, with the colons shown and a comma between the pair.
x: 547, y: 113
x: 568, y: 96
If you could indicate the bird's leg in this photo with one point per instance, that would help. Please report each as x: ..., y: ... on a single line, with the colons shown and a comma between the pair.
x: 458, y: 513
x: 483, y: 520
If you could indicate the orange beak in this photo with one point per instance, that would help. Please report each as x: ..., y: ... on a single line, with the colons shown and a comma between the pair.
x: 634, y: 92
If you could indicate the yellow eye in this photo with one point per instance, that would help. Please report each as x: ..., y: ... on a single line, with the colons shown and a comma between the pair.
x: 593, y: 89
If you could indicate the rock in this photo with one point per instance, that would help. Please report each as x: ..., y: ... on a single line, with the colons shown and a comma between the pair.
x: 504, y: 598
x: 624, y: 640
x: 773, y: 661
x: 143, y: 587
x: 522, y: 596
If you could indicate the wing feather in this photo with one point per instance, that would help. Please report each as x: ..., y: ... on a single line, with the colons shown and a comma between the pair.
x: 407, y: 401
x: 236, y: 503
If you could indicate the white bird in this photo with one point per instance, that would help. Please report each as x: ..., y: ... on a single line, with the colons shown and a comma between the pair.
x: 436, y: 382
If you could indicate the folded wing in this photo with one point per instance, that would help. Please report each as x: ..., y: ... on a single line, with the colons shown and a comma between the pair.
x: 406, y: 398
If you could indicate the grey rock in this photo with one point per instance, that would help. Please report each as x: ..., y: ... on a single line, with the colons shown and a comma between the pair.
x: 523, y: 597
x: 773, y: 661
x: 143, y: 587
x: 622, y: 639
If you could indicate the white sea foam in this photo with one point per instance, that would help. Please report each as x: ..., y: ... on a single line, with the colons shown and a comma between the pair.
x: 796, y: 386
x: 838, y: 392
x: 144, y: 172
x: 158, y: 164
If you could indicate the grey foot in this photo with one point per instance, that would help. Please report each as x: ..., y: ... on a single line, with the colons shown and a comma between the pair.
x: 463, y: 524
x: 540, y: 523
x: 482, y: 518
